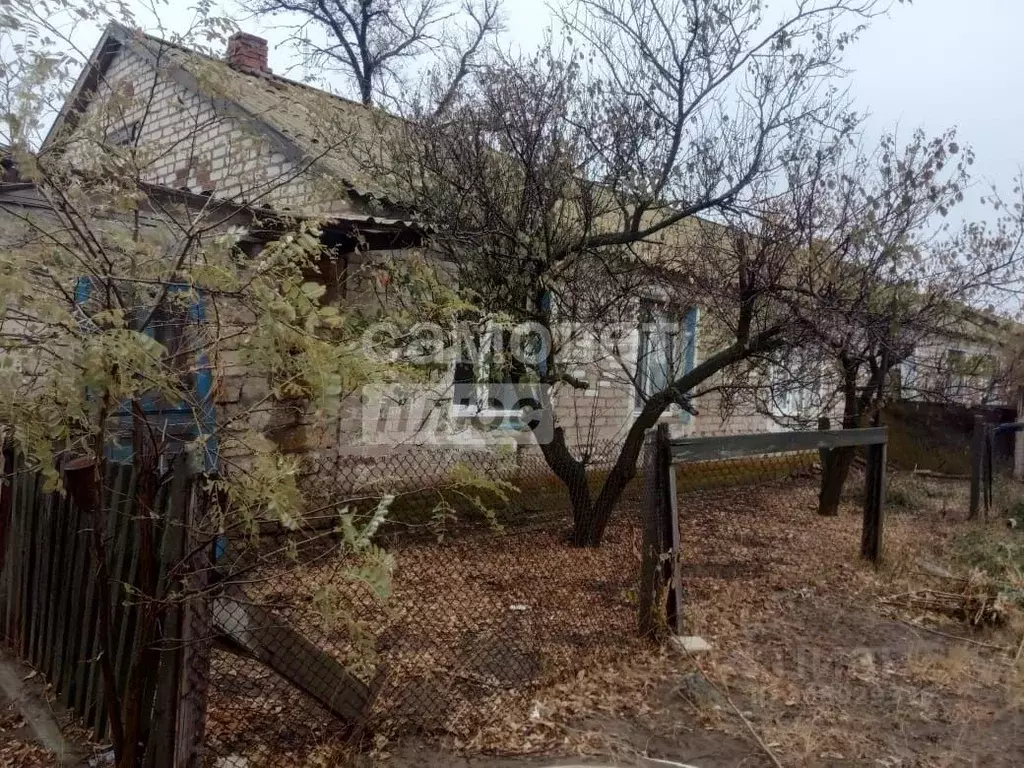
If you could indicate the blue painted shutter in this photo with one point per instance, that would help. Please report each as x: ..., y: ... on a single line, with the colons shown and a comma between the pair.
x: 180, y: 417
x: 690, y: 352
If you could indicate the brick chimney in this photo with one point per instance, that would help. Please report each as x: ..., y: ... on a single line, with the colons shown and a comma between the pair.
x: 247, y: 51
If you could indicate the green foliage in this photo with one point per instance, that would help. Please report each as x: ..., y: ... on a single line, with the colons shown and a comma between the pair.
x: 477, y: 493
x: 116, y: 295
x: 999, y: 553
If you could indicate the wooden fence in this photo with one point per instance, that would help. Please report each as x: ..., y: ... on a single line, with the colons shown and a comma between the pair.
x: 73, y: 565
x: 662, y: 552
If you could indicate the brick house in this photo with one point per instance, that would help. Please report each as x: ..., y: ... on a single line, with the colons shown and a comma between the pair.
x: 228, y: 129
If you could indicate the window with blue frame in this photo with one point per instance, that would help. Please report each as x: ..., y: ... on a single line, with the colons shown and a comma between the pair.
x: 666, y: 350
x: 909, y: 383
x: 176, y: 325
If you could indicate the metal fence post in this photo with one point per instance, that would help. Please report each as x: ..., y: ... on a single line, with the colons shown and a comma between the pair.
x: 874, y: 503
x: 670, y: 520
x: 977, y: 464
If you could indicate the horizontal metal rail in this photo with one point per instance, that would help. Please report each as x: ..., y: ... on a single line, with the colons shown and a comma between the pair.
x: 1017, y: 426
x: 735, y: 446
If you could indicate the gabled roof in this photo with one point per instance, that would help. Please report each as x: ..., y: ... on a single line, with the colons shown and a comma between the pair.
x: 304, y: 123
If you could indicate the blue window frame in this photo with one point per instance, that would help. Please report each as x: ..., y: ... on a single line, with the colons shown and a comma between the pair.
x: 182, y: 421
x: 667, y: 349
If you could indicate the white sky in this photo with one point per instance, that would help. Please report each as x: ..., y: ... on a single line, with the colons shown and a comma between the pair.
x: 933, y: 64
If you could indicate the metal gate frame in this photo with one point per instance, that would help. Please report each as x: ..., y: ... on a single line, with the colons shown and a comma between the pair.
x: 662, y: 546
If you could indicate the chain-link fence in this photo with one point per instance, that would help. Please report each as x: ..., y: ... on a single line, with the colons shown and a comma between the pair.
x: 486, y: 600
x: 747, y: 471
x: 424, y: 591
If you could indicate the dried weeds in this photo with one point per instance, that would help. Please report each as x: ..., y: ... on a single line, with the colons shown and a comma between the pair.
x: 522, y: 645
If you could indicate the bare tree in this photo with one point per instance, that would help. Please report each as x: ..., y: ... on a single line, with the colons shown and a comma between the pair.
x: 575, y: 182
x: 880, y: 276
x: 374, y: 43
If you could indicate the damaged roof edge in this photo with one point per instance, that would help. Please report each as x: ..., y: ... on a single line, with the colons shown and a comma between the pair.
x: 25, y: 194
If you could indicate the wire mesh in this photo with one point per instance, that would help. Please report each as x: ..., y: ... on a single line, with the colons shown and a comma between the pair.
x: 488, y: 601
x: 746, y: 471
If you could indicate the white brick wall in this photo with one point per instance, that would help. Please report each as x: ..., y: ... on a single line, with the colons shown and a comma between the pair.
x: 187, y: 141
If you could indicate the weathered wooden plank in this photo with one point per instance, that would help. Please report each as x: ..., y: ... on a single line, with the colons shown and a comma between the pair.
x: 735, y: 446
x: 12, y: 564
x: 190, y: 730
x: 128, y: 622
x: 67, y: 629
x: 44, y: 556
x: 33, y: 488
x: 160, y: 543
x: 74, y: 674
x: 95, y: 712
x: 24, y: 550
x: 672, y: 509
x: 174, y: 513
x: 121, y: 575
x: 6, y: 537
x: 57, y: 577
x: 196, y: 631
x: 256, y: 632
x: 41, y: 577
x: 874, y: 505
x: 85, y: 653
x: 670, y: 530
x: 651, y: 547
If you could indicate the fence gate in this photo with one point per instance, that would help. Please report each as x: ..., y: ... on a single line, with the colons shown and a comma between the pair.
x: 989, y: 463
x: 662, y: 551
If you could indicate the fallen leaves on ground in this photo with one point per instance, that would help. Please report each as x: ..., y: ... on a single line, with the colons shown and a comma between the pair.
x: 520, y: 644
x: 17, y: 749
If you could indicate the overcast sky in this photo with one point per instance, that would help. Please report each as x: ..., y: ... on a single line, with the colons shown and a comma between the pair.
x: 933, y: 64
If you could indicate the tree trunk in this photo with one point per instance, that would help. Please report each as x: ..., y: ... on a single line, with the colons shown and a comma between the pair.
x: 573, y: 473
x: 588, y: 529
x: 590, y: 518
x: 836, y: 467
x: 833, y: 478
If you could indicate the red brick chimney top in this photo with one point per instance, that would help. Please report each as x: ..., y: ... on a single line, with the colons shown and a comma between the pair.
x: 247, y: 51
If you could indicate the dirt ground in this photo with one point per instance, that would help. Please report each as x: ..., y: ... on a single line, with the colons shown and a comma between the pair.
x: 818, y: 658
x: 31, y: 732
x: 824, y: 659
x: 18, y: 746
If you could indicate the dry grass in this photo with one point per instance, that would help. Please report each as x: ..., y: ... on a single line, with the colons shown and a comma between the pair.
x: 808, y: 642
